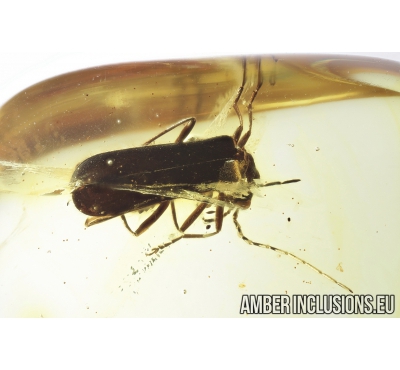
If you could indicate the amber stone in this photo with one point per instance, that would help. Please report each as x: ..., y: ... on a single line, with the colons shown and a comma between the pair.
x: 331, y: 121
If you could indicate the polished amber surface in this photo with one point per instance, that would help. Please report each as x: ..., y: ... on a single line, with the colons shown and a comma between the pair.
x: 331, y: 121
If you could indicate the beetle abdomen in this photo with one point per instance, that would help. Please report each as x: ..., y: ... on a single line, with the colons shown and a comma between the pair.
x: 94, y: 200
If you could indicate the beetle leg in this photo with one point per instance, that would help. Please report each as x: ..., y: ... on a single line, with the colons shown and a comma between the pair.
x: 190, y: 219
x: 186, y: 130
x: 94, y: 220
x: 239, y: 130
x: 278, y: 250
x: 208, y: 220
x: 174, y: 214
x: 149, y: 221
x: 243, y: 140
x: 164, y: 245
x: 189, y: 124
x: 219, y: 216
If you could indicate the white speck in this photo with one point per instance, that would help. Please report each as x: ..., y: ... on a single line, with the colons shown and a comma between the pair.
x: 118, y: 121
x: 317, y: 148
x: 110, y: 162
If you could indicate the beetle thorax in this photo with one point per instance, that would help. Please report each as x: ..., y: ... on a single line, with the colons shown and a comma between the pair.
x: 248, y: 168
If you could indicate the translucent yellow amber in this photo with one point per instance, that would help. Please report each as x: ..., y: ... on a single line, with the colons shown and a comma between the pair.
x: 331, y: 121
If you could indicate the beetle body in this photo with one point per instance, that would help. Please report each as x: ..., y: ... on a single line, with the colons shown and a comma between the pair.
x: 110, y: 184
x: 179, y: 166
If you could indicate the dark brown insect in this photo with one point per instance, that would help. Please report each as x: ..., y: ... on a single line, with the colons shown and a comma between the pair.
x: 110, y: 184
x: 114, y: 183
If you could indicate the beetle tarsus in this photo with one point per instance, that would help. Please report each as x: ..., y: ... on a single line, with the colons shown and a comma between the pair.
x: 164, y: 245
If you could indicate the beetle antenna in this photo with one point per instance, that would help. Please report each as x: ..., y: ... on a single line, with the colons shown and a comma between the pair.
x: 277, y: 183
x: 278, y: 250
